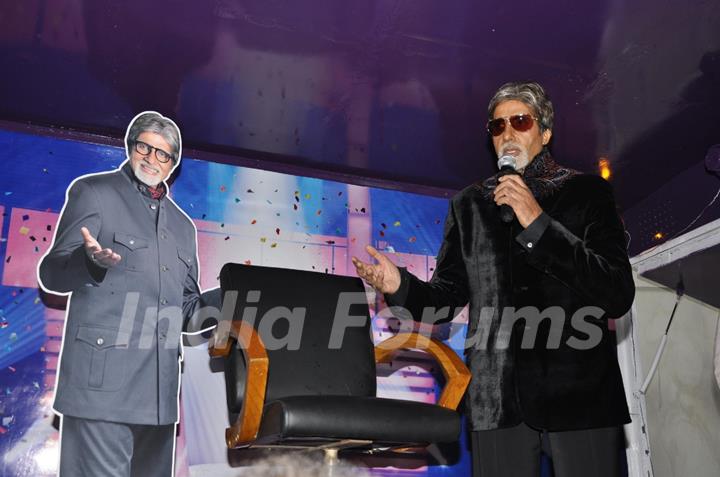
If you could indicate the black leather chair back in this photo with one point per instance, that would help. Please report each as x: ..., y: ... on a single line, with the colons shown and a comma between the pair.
x: 313, y: 368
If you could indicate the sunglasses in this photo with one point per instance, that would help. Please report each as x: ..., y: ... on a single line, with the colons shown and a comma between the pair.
x: 519, y: 122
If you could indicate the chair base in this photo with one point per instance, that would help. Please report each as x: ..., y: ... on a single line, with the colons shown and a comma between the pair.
x: 356, y: 453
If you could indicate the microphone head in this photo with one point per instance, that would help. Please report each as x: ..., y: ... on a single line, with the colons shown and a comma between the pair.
x: 507, y: 161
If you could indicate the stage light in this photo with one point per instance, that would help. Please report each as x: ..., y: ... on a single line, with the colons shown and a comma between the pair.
x: 604, y: 166
x: 659, y: 236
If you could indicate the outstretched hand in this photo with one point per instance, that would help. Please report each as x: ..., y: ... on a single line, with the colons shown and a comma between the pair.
x: 103, y: 257
x: 383, y: 276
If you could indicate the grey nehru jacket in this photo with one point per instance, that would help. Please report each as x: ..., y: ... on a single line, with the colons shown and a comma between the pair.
x: 121, y: 347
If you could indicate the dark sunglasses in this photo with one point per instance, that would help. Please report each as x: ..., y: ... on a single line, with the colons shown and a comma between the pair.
x: 519, y: 122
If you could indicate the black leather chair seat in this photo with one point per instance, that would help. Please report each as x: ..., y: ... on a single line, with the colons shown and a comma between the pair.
x: 318, y: 389
x: 357, y: 417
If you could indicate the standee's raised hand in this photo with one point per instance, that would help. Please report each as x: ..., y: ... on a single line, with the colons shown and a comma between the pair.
x: 105, y: 258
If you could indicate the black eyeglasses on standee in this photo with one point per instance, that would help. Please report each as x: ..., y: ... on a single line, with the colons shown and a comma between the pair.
x: 145, y: 149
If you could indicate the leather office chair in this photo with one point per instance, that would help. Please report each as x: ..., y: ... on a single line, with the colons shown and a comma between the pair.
x: 300, y: 367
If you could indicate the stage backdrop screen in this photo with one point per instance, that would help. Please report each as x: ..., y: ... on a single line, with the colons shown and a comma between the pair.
x: 242, y: 215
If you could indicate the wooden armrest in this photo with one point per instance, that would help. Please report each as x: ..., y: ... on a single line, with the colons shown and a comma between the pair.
x: 457, y: 375
x: 246, y: 427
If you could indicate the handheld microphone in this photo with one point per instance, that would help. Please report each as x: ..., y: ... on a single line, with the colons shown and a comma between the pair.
x: 507, y: 165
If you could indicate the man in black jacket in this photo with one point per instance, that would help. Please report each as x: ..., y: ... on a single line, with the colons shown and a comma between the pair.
x: 541, y: 290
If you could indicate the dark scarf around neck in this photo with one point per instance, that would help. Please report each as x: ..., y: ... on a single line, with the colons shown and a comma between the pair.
x: 543, y: 176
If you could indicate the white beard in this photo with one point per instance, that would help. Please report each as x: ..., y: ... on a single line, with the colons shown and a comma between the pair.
x: 146, y: 179
x: 521, y: 159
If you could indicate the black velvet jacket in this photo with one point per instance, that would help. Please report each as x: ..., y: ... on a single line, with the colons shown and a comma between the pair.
x: 573, y: 256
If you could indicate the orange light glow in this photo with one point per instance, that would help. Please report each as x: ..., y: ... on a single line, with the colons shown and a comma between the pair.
x: 605, y: 171
x: 659, y: 236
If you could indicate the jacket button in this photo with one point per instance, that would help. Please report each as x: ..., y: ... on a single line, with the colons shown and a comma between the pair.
x: 100, y: 341
x: 153, y: 206
x: 132, y: 242
x: 163, y: 301
x: 164, y: 268
x: 529, y: 245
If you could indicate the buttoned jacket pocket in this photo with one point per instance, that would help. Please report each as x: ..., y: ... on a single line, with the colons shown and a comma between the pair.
x: 132, y: 249
x: 98, y: 358
x: 186, y: 261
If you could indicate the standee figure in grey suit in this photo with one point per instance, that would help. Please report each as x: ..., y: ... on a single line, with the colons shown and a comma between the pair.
x: 126, y: 254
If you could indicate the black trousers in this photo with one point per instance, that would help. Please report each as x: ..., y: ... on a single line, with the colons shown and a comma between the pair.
x: 515, y: 452
x: 90, y: 448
